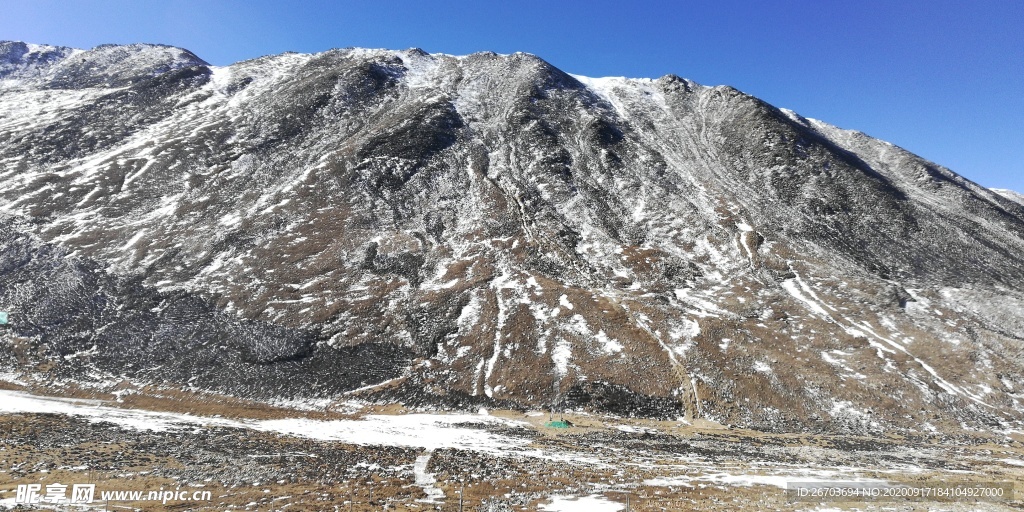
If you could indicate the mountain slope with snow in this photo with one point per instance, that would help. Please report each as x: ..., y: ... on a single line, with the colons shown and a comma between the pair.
x: 505, y: 233
x: 1012, y: 195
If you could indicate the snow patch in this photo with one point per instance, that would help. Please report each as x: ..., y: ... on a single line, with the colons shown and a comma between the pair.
x: 426, y: 480
x: 428, y: 431
x: 593, y: 503
x: 561, y: 355
x: 610, y: 345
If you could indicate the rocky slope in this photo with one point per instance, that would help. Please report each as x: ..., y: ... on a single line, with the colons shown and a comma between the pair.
x: 488, y: 229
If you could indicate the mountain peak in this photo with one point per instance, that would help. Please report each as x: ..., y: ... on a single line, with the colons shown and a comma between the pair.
x: 107, y: 65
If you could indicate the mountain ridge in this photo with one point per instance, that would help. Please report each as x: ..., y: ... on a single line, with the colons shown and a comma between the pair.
x: 510, y: 233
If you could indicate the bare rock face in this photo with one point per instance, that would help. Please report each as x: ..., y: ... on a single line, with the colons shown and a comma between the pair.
x: 488, y: 229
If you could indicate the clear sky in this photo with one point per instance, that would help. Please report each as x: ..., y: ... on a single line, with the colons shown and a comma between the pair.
x: 942, y: 78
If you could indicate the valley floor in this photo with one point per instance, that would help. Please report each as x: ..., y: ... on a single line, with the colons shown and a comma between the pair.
x: 357, y: 456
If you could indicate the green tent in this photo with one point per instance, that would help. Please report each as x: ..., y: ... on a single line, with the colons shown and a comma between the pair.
x: 3, y: 318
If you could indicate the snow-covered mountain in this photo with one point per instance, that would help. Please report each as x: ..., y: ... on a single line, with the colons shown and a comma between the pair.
x: 487, y: 229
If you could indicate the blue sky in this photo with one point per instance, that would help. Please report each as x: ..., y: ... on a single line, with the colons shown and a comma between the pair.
x: 943, y: 79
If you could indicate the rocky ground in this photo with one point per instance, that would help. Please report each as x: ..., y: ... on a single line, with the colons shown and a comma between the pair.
x: 496, y: 460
